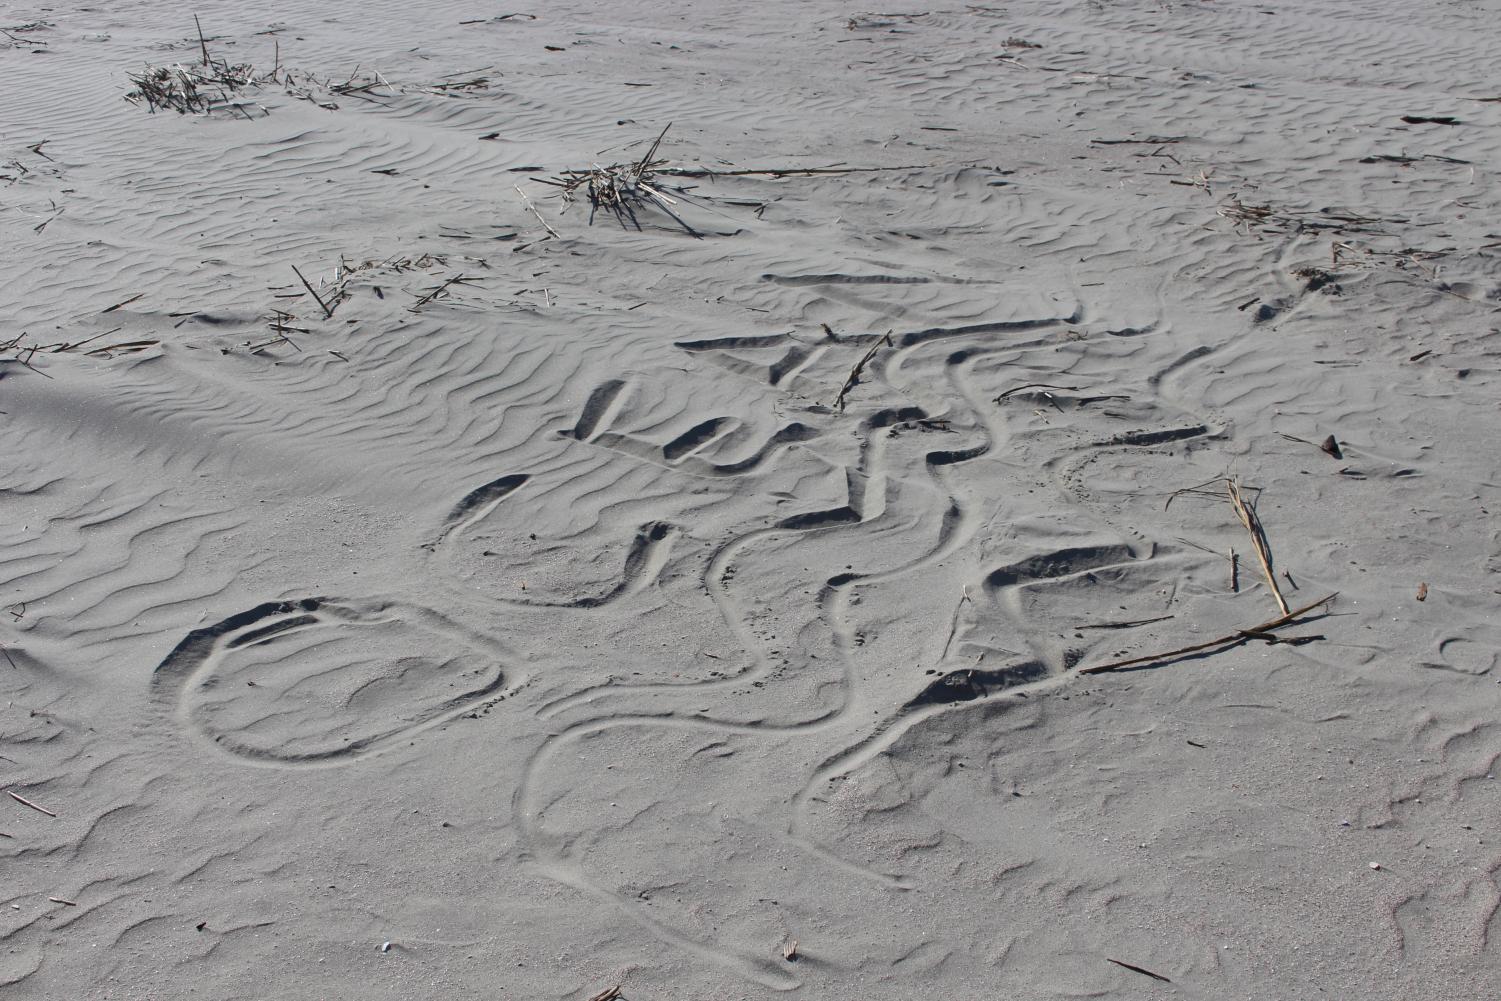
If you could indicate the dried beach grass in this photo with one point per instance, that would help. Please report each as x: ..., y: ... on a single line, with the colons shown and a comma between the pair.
x: 210, y: 85
x: 213, y: 84
x: 621, y: 189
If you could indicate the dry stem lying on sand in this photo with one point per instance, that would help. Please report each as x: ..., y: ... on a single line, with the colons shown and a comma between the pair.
x: 1245, y: 512
x: 1257, y: 632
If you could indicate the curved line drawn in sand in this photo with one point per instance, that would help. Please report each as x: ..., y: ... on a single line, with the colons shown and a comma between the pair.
x: 246, y: 683
x: 870, y: 488
x: 319, y: 681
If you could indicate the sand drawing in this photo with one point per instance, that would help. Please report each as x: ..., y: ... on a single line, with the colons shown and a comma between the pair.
x: 624, y: 501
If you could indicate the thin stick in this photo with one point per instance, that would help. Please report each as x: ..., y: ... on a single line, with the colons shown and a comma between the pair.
x: 327, y: 313
x: 651, y: 154
x: 120, y: 305
x: 1126, y: 625
x: 1252, y: 525
x: 1132, y: 966
x: 1239, y: 636
x: 781, y: 171
x: 201, y: 43
x: 528, y: 201
x: 854, y: 377
x: 60, y: 900
x: 26, y: 802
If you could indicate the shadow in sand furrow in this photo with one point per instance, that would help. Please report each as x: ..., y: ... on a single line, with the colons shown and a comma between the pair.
x: 970, y: 684
x: 480, y: 502
x: 1148, y: 438
x: 1060, y: 563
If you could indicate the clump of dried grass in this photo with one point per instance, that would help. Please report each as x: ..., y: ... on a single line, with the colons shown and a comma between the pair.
x: 620, y: 189
x: 213, y: 84
x: 201, y: 88
x: 198, y: 90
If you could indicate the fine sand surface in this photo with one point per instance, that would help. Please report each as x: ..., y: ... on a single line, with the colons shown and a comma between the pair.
x: 556, y: 632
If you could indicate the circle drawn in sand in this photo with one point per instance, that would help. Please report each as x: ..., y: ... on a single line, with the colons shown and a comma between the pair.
x: 1466, y: 656
x: 324, y: 680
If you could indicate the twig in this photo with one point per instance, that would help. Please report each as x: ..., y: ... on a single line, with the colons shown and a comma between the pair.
x: 1237, y: 637
x: 26, y: 802
x: 1252, y: 523
x: 608, y: 994
x: 60, y: 900
x: 1034, y: 385
x: 1330, y: 445
x: 781, y: 171
x: 1125, y: 625
x: 550, y: 231
x: 327, y: 313
x: 119, y: 305
x: 201, y: 43
x: 46, y: 222
x: 1148, y: 141
x: 1137, y: 969
x: 1195, y: 489
x: 644, y: 164
x: 854, y: 377
x: 442, y: 291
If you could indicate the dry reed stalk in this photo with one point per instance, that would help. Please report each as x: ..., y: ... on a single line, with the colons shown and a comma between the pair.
x: 328, y: 314
x: 853, y: 379
x: 533, y: 209
x: 784, y: 171
x: 26, y: 802
x: 1262, y: 631
x: 1252, y: 523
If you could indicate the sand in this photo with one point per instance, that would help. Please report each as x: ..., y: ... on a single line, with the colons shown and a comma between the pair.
x: 537, y: 625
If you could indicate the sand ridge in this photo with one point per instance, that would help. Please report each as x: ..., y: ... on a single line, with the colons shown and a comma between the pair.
x: 543, y: 620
